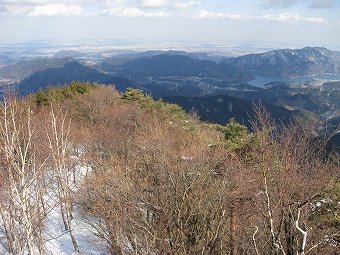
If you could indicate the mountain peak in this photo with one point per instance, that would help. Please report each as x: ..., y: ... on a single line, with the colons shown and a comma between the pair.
x: 288, y: 62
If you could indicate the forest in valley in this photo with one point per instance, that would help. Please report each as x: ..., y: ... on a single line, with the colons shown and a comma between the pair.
x: 148, y: 178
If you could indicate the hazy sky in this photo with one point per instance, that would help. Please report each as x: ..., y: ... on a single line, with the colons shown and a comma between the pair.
x: 292, y: 22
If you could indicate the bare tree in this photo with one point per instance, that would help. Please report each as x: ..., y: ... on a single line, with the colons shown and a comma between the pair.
x: 21, y: 172
x: 58, y: 134
x: 290, y: 174
x: 159, y: 188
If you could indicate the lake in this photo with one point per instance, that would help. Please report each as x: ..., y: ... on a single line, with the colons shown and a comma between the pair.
x: 260, y: 80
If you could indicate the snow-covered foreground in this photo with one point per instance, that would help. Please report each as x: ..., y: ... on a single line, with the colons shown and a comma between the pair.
x: 57, y: 240
x: 60, y: 242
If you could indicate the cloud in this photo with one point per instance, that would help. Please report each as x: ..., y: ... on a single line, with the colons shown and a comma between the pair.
x: 3, y: 9
x: 292, y: 18
x: 286, y: 17
x: 315, y: 4
x: 132, y: 12
x: 41, y: 2
x: 321, y: 4
x: 168, y: 4
x: 217, y: 15
x: 38, y: 8
x: 123, y: 8
x: 17, y: 10
x: 154, y: 3
x: 56, y: 10
x: 278, y: 3
x: 185, y: 5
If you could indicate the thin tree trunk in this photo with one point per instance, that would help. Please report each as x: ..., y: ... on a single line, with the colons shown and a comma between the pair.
x: 234, y: 210
x: 303, y: 232
x: 289, y: 235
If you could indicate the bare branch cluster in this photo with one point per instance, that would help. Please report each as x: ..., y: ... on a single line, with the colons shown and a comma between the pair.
x: 160, y: 181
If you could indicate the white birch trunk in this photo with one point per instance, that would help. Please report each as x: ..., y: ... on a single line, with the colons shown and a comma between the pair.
x: 60, y: 146
x: 21, y: 209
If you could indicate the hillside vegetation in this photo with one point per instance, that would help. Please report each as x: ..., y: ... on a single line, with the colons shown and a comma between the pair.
x: 147, y: 178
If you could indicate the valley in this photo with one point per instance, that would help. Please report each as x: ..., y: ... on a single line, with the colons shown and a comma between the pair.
x: 304, y: 81
x: 306, y: 75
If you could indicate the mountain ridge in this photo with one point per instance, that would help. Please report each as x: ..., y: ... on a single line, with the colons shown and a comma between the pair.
x: 287, y: 62
x: 220, y: 108
x: 71, y: 71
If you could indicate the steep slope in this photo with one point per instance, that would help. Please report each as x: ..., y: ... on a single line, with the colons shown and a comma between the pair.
x: 331, y: 85
x: 335, y: 141
x: 70, y: 72
x: 164, y: 65
x: 324, y: 103
x: 109, y: 63
x: 220, y: 108
x: 286, y: 62
x: 169, y: 65
x: 24, y: 69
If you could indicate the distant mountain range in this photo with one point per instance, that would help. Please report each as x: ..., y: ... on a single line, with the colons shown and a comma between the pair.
x: 71, y: 71
x: 286, y: 62
x: 109, y: 63
x: 216, y: 109
x: 164, y: 65
x: 151, y: 64
x: 68, y: 54
x: 24, y: 69
x: 217, y: 90
x: 169, y: 65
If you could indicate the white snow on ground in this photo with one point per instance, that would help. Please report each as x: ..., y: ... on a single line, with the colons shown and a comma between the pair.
x: 58, y: 242
x: 3, y: 249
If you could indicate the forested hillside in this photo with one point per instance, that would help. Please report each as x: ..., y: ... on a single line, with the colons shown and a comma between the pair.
x: 143, y: 177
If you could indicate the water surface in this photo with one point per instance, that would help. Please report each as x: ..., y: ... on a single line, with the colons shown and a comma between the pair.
x: 260, y: 80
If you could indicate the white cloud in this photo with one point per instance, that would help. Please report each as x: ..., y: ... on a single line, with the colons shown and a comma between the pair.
x: 18, y: 10
x: 3, y: 9
x: 169, y: 4
x: 217, y: 15
x: 41, y: 2
x: 123, y: 8
x: 111, y: 2
x: 154, y: 3
x: 287, y: 17
x: 322, y: 4
x: 292, y: 18
x: 56, y: 10
x: 133, y: 12
x: 315, y: 4
x: 38, y: 8
x: 278, y: 3
x: 185, y: 5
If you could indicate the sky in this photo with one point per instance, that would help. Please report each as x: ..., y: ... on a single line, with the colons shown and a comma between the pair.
x: 245, y: 22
